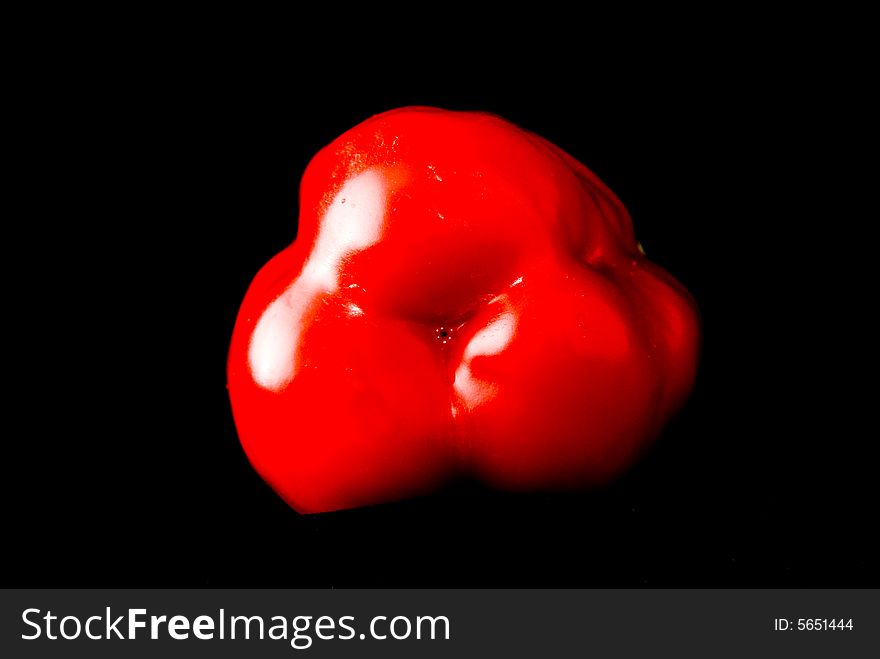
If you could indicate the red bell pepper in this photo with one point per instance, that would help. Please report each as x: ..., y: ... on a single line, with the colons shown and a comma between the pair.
x: 463, y: 298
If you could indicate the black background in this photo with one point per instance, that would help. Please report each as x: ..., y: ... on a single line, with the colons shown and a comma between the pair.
x: 163, y: 186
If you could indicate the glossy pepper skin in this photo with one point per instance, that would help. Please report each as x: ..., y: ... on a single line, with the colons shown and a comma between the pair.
x: 462, y: 298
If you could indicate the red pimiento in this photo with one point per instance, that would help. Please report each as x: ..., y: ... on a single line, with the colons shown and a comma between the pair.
x: 462, y: 297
